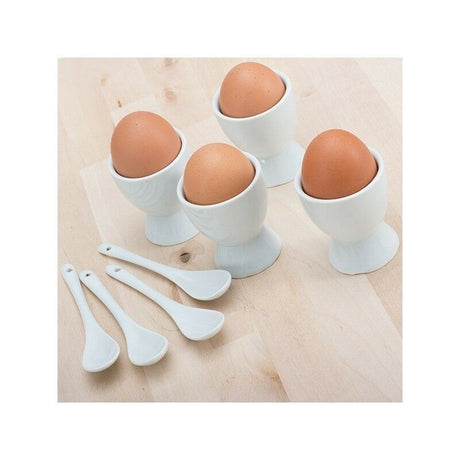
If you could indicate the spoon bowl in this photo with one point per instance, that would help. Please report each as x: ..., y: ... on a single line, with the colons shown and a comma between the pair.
x: 101, y: 351
x: 144, y: 347
x: 203, y: 284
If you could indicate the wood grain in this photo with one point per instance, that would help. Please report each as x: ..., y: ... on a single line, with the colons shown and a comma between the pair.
x: 300, y: 331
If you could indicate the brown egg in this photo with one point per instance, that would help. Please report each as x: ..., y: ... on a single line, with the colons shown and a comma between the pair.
x: 143, y: 143
x: 216, y: 173
x: 249, y: 89
x: 336, y: 164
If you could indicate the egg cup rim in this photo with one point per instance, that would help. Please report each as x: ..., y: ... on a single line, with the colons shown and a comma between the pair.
x: 258, y: 172
x: 157, y: 173
x: 287, y: 90
x: 380, y: 171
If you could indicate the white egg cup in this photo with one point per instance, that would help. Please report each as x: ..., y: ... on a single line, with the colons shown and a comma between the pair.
x: 360, y: 241
x: 268, y: 136
x: 166, y: 223
x: 245, y: 246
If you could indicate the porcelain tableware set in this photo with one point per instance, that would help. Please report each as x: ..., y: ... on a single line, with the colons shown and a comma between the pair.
x: 145, y: 347
x: 360, y: 241
x: 245, y: 246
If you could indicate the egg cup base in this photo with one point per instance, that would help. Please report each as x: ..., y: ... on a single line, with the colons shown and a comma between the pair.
x: 367, y: 255
x: 282, y: 168
x: 169, y: 230
x: 249, y: 258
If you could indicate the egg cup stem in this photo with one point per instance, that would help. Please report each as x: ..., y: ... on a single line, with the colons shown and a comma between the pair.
x: 169, y: 230
x: 282, y: 168
x: 366, y: 255
x: 251, y: 257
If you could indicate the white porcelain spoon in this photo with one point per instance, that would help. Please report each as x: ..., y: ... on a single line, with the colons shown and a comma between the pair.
x: 101, y: 351
x: 199, y: 284
x: 144, y: 347
x: 194, y: 323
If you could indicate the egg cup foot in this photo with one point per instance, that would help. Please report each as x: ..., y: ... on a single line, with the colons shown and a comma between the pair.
x: 367, y: 255
x: 282, y: 168
x: 169, y: 230
x: 251, y: 257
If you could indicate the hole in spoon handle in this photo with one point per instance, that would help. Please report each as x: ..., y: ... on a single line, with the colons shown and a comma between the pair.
x: 72, y: 280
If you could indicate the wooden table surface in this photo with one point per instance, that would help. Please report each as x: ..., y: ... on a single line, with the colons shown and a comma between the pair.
x: 300, y: 331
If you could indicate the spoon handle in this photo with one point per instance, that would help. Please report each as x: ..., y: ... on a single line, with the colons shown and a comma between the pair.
x: 120, y: 274
x: 73, y: 282
x: 123, y: 254
x: 94, y: 284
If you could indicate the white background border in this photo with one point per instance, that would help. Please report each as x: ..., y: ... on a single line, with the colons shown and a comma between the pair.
x: 35, y: 34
